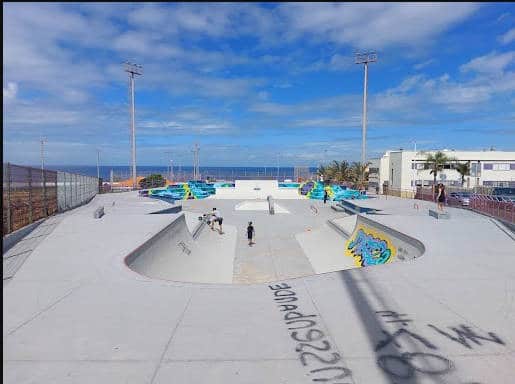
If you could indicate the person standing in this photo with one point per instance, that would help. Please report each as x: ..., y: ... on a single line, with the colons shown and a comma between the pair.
x: 250, y: 233
x: 326, y: 195
x: 441, y: 197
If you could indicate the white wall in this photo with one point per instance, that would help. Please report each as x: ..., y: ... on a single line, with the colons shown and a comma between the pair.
x: 401, y: 164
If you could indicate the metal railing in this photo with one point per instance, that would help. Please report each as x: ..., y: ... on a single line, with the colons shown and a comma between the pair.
x: 30, y: 194
x: 501, y: 207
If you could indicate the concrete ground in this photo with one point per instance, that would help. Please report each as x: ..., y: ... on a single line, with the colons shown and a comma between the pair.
x: 74, y: 313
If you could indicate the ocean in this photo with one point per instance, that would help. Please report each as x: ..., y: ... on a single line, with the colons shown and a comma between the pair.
x: 184, y: 173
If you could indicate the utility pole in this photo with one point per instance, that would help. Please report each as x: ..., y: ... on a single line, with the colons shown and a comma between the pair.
x: 365, y: 58
x: 132, y: 70
x: 277, y: 167
x: 42, y: 155
x: 169, y: 160
x: 196, y: 164
x: 98, y: 163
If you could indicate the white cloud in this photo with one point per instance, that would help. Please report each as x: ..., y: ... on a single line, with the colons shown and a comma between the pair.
x: 424, y: 64
x: 508, y: 37
x: 385, y: 24
x: 493, y: 63
x: 10, y: 91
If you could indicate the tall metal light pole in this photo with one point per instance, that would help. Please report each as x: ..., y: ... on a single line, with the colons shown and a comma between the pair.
x: 365, y: 58
x: 132, y: 70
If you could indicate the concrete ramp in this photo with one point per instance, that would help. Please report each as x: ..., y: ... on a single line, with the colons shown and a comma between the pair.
x: 174, y: 255
x: 356, y: 241
x: 372, y: 243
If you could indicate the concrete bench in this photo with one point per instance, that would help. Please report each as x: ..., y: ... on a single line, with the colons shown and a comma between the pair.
x: 439, y: 215
x: 99, y: 212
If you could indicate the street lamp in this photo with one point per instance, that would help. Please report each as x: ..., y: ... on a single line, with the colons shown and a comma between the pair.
x: 365, y: 58
x: 133, y: 69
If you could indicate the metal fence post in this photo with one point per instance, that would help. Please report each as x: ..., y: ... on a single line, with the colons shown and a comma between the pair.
x: 76, y: 190
x: 8, y: 198
x: 45, y: 208
x: 31, y: 208
x: 64, y: 191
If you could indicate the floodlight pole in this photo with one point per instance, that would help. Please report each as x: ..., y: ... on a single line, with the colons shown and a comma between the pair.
x: 365, y: 58
x: 132, y: 70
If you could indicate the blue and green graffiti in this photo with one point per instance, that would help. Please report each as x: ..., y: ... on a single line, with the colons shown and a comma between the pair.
x: 369, y: 247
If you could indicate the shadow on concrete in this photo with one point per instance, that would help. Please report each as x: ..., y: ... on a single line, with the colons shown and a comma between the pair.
x: 393, y: 353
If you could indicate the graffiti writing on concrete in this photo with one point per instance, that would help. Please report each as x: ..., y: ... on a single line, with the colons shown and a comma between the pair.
x: 313, y: 347
x: 184, y: 247
x: 369, y: 247
x: 406, y: 364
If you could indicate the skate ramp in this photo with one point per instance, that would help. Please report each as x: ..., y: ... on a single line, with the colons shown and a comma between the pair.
x: 174, y: 255
x: 372, y: 243
x: 354, y: 242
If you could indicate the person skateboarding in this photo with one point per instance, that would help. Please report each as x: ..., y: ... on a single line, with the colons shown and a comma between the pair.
x: 326, y: 195
x: 217, y: 217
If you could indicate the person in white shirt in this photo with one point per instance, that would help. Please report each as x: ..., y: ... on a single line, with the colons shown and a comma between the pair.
x: 217, y: 217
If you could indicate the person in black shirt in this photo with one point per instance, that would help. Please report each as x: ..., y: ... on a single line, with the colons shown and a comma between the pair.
x: 250, y: 233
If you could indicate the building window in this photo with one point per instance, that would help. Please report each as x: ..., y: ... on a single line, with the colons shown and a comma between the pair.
x: 501, y: 167
x: 475, y: 170
x: 488, y: 166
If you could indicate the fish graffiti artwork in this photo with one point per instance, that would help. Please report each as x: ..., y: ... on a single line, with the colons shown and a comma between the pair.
x: 369, y: 247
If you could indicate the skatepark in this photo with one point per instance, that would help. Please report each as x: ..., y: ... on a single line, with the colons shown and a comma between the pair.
x: 139, y: 296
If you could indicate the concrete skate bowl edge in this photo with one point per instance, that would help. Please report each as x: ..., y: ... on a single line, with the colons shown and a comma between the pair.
x: 372, y: 243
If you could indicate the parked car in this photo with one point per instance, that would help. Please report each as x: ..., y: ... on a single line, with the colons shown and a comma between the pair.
x: 461, y: 198
x: 504, y: 194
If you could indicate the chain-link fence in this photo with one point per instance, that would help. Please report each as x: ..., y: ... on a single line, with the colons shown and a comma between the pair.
x: 74, y: 190
x: 30, y: 194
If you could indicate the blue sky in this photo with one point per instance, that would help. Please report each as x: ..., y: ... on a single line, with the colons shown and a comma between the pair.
x: 254, y: 83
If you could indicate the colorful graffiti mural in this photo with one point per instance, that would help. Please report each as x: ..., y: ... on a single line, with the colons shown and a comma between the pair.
x: 369, y: 247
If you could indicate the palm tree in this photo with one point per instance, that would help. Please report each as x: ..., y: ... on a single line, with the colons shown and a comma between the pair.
x: 436, y: 163
x: 464, y: 170
x: 359, y: 173
x: 325, y: 171
x: 342, y: 170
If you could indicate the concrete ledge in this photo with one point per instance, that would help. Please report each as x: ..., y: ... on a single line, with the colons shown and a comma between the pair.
x: 99, y: 212
x: 439, y: 215
x: 13, y: 238
x: 354, y: 208
x: 337, y: 208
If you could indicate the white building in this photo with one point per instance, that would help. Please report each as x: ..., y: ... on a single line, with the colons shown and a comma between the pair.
x: 404, y: 169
